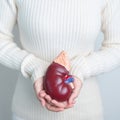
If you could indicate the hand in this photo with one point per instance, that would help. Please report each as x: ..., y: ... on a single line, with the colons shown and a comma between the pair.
x: 76, y: 85
x: 45, y: 99
x: 52, y: 104
x: 38, y: 87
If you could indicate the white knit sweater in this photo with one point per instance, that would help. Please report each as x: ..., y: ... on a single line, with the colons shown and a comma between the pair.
x: 49, y: 26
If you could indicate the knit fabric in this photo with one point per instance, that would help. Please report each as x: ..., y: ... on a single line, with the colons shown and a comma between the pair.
x: 47, y: 27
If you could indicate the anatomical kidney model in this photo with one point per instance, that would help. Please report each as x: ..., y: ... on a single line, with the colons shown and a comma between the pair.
x: 57, y: 79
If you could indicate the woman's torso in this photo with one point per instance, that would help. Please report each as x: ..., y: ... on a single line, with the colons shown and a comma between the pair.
x: 88, y: 104
x: 46, y: 28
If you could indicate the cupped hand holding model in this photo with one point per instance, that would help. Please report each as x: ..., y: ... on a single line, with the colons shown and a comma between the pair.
x: 58, y: 90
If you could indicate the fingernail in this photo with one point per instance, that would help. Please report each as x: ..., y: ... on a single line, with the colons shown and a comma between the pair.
x: 43, y: 105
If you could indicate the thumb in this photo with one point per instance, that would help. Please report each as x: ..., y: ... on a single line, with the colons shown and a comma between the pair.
x: 76, y: 90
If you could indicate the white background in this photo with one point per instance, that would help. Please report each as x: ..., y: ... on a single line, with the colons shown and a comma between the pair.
x: 109, y: 85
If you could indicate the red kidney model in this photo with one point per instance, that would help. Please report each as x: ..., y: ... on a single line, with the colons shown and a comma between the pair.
x: 57, y: 79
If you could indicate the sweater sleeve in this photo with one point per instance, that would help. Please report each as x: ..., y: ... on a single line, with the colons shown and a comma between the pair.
x: 10, y: 54
x: 108, y: 56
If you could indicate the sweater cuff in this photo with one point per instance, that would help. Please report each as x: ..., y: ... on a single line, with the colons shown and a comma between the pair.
x: 33, y: 67
x: 79, y: 67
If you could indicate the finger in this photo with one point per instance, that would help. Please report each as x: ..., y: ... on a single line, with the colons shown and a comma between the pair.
x: 71, y: 85
x: 38, y: 85
x: 42, y: 93
x: 38, y: 90
x: 69, y: 106
x: 76, y: 90
x: 40, y: 96
x: 48, y: 98
x: 43, y: 102
x: 73, y: 96
x: 59, y: 104
x: 44, y: 98
x: 53, y: 108
x: 62, y: 104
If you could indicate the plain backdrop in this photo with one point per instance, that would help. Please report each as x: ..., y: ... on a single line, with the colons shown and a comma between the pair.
x: 109, y: 85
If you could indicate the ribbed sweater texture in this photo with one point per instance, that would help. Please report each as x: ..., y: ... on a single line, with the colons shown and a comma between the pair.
x: 47, y: 27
